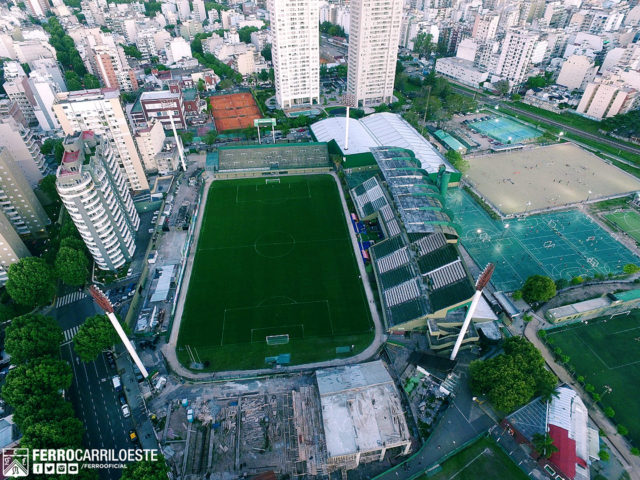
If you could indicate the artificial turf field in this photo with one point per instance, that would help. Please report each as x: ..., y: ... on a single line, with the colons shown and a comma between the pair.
x: 606, y: 351
x: 273, y: 259
x: 628, y: 222
x: 483, y: 459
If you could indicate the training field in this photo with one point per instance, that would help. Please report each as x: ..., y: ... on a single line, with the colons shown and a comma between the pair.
x: 505, y: 130
x: 606, y: 352
x: 234, y: 111
x: 563, y: 244
x: 536, y: 179
x: 483, y: 459
x: 273, y: 259
x: 628, y: 222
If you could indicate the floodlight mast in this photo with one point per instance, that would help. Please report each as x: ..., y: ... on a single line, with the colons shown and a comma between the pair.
x: 178, y: 141
x: 482, y: 282
x: 104, y: 303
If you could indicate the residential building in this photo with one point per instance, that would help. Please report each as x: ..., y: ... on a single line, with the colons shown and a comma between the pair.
x: 373, y: 50
x: 100, y: 111
x: 150, y: 141
x: 113, y: 68
x: 157, y: 105
x: 607, y: 97
x: 199, y: 11
x: 515, y: 57
x: 94, y: 192
x: 37, y: 8
x: 485, y: 27
x: 42, y: 90
x: 22, y: 145
x: 176, y: 49
x: 461, y: 70
x: 295, y: 51
x: 577, y: 71
x: 12, y: 248
x: 17, y: 200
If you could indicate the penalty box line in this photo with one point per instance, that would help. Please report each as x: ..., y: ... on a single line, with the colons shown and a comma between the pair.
x: 253, y: 307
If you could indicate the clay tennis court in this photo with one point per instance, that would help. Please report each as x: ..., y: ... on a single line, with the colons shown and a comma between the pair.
x: 234, y: 111
x: 546, y: 177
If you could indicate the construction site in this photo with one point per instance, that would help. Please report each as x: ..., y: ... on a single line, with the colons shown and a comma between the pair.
x: 303, y: 430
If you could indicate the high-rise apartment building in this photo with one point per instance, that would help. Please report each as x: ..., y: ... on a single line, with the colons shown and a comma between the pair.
x: 37, y: 8
x: 21, y: 143
x: 295, y: 51
x: 95, y: 194
x: 113, y: 68
x: 373, y: 50
x: 100, y: 111
x: 516, y: 54
x: 12, y: 248
x: 17, y: 200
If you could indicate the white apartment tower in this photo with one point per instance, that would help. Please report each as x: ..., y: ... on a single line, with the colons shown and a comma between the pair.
x: 295, y: 51
x: 17, y: 200
x: 94, y: 192
x: 100, y: 111
x: 373, y: 50
x: 516, y: 54
x: 12, y: 248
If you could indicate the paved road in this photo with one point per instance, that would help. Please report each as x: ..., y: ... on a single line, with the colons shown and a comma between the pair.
x: 92, y: 394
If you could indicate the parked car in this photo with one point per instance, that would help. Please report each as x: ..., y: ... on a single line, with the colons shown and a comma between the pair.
x: 126, y: 412
x: 123, y: 401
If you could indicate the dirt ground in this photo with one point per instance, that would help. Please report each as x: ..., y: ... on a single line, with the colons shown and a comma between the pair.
x: 545, y: 177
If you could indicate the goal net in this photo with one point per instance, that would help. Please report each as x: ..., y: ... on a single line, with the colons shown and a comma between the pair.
x: 277, y: 339
x: 271, y: 180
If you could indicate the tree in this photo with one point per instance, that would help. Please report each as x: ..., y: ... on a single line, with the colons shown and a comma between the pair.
x: 538, y: 288
x: 72, y: 80
x: 562, y: 283
x: 53, y: 146
x: 513, y: 378
x: 456, y: 159
x: 61, y: 433
x: 90, y: 81
x: 72, y: 266
x: 604, y: 455
x: 38, y: 378
x: 589, y: 388
x: 263, y: 75
x: 94, y: 335
x: 332, y: 29
x: 502, y: 87
x: 132, y: 51
x: 186, y: 136
x: 146, y: 470
x: 201, y: 85
x: 423, y: 44
x: 244, y: 33
x: 210, y: 137
x: 622, y: 430
x: 609, y: 412
x: 31, y: 336
x: 635, y: 451
x: 31, y: 282
x: 630, y: 268
x: 517, y: 295
x: 266, y: 52
x: 538, y: 81
x: 543, y: 445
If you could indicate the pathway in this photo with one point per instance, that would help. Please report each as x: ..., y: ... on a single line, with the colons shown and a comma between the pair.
x: 169, y: 349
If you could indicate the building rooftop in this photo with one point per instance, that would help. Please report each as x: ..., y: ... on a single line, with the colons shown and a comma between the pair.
x: 380, y: 129
x: 159, y: 95
x: 361, y: 409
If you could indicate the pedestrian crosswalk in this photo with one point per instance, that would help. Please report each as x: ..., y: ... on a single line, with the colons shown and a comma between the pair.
x: 69, y: 333
x: 70, y: 298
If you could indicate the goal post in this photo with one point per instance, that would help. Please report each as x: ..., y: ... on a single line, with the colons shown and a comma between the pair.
x: 277, y: 339
x: 271, y: 180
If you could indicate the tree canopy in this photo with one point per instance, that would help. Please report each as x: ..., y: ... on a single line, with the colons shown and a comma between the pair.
x: 31, y: 282
x: 457, y: 160
x: 423, y: 44
x: 37, y: 378
x: 72, y: 266
x: 538, y: 288
x: 94, y: 335
x: 514, y: 377
x: 244, y: 33
x: 544, y: 445
x: 146, y: 470
x: 332, y: 29
x: 31, y: 336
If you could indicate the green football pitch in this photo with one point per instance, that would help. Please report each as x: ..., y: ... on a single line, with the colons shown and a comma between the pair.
x: 628, y: 222
x: 274, y: 258
x: 482, y: 459
x: 606, y: 351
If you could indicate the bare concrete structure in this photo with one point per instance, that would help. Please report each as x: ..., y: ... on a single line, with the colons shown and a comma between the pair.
x: 362, y: 415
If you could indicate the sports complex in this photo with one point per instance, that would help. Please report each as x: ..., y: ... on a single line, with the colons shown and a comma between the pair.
x: 276, y: 278
x: 234, y: 111
x: 606, y: 351
x: 560, y: 175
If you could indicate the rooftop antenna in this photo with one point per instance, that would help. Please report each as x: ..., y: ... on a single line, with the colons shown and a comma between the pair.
x: 482, y: 282
x: 178, y: 141
x: 104, y: 303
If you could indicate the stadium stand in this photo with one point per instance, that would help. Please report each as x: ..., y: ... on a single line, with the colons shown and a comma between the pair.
x: 257, y: 160
x: 421, y: 277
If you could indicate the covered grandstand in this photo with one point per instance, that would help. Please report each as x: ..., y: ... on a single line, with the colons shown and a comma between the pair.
x: 261, y: 160
x: 421, y: 277
x: 382, y: 129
